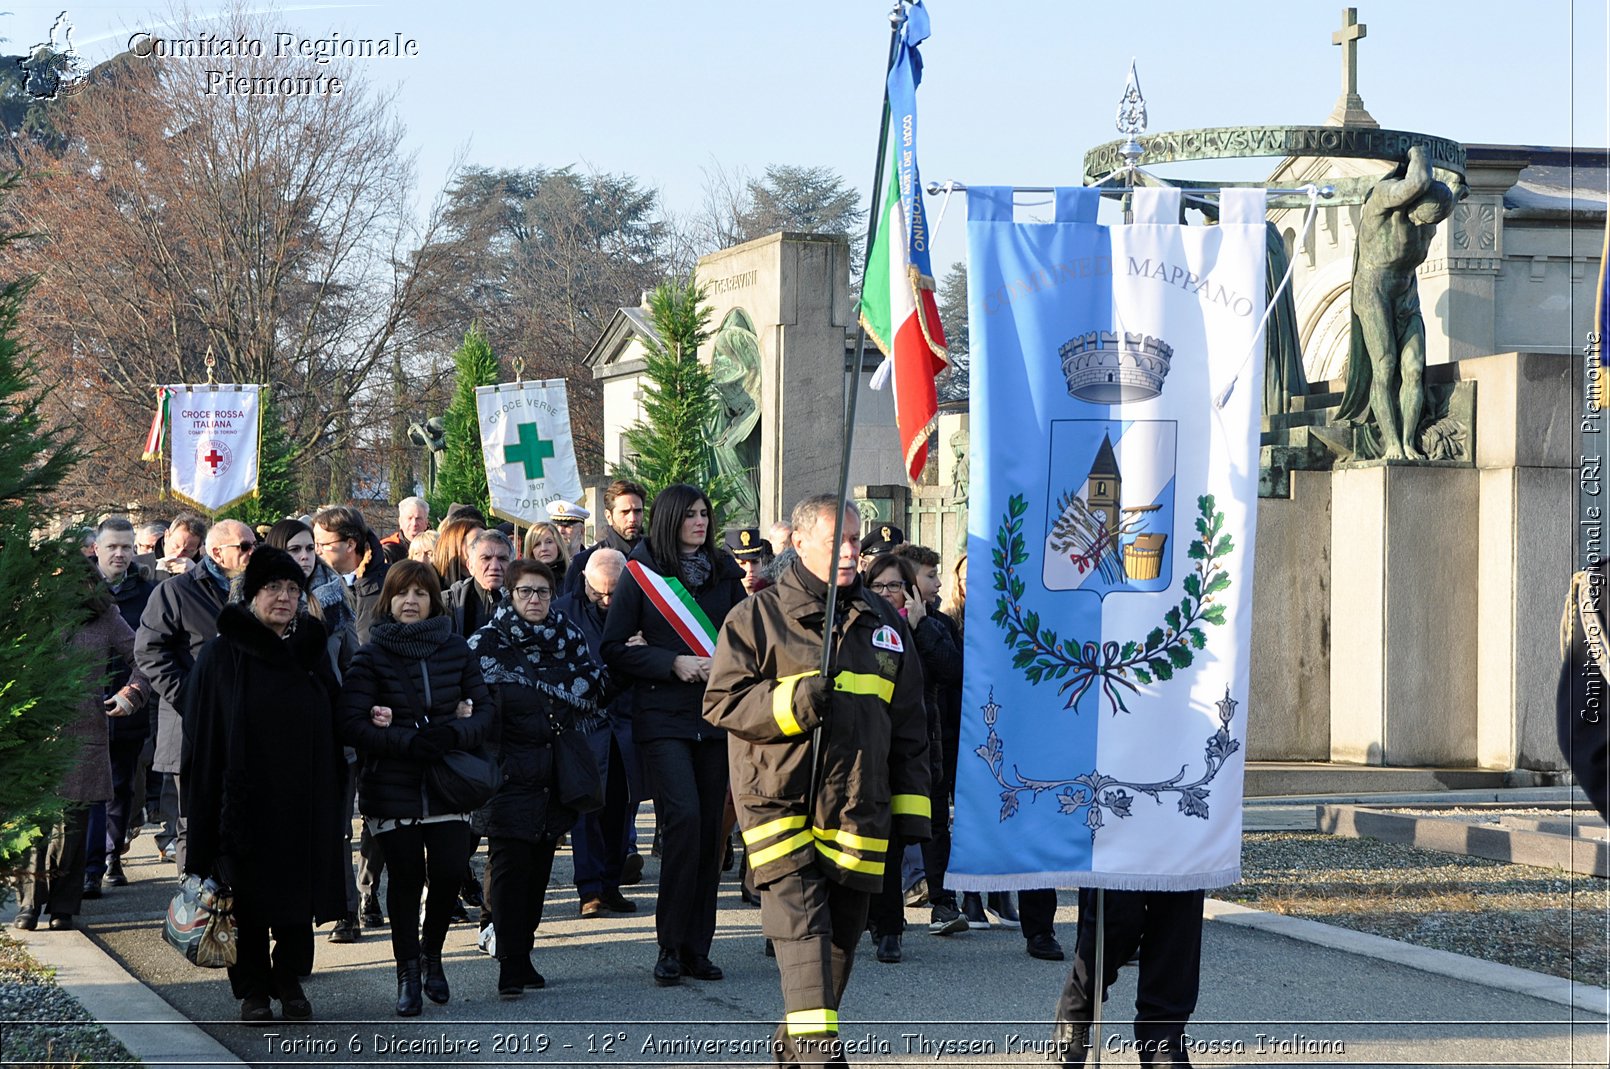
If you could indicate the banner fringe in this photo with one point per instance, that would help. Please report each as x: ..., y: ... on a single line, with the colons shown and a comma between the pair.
x: 1112, y: 881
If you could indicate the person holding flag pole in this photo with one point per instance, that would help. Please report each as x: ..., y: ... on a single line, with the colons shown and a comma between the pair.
x: 829, y: 762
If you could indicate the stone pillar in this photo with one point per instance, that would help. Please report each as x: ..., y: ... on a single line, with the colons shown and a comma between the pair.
x: 1459, y: 278
x: 1526, y: 463
x: 1403, y: 618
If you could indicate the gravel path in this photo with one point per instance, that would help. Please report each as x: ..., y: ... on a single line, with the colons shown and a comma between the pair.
x: 58, y: 1032
x: 1547, y: 921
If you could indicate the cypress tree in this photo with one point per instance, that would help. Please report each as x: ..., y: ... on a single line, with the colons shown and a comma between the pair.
x: 462, y: 474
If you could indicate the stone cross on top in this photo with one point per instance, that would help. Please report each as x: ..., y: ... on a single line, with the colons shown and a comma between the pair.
x: 1349, y: 109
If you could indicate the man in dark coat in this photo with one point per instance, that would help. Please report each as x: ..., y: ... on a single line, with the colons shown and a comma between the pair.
x: 826, y: 770
x: 471, y: 602
x: 601, y: 837
x: 109, y: 822
x: 180, y: 618
x: 345, y: 543
x: 623, y: 512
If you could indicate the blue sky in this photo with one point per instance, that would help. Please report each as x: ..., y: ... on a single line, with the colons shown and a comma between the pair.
x: 1014, y: 93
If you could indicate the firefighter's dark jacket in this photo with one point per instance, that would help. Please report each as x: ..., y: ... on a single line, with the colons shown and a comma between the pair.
x: 874, y: 769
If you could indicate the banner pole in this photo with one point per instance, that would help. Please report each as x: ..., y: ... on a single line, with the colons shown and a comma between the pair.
x: 1099, y: 985
x: 897, y: 19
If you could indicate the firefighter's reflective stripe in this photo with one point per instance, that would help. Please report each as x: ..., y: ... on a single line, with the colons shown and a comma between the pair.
x: 762, y: 832
x: 782, y: 703
x: 863, y: 843
x: 911, y: 805
x: 771, y: 853
x: 864, y: 683
x: 823, y: 1022
x: 849, y: 861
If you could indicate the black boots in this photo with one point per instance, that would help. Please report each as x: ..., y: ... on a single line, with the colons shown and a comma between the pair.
x: 408, y: 1003
x: 430, y: 966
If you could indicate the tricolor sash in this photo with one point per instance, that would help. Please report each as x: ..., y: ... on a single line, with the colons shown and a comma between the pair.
x: 671, y: 598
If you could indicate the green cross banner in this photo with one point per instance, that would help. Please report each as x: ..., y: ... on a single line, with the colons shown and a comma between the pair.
x: 527, y: 446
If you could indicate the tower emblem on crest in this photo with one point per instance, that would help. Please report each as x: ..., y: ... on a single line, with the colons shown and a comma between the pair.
x: 1113, y: 367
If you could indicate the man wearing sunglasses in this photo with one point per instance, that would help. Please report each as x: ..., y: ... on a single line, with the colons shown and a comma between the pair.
x: 181, y: 617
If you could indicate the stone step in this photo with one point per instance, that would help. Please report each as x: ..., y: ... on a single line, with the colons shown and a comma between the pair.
x: 1270, y: 779
x: 1312, y: 401
x: 1285, y: 420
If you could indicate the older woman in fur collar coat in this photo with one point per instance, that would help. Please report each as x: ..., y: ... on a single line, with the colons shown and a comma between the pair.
x: 264, y: 779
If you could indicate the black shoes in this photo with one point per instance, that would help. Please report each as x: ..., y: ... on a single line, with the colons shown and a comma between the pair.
x: 668, y: 970
x: 92, y: 888
x: 632, y: 870
x: 408, y: 988
x: 26, y: 920
x: 1000, y: 908
x: 511, y: 981
x: 1072, y: 1040
x: 945, y: 919
x: 434, y: 980
x: 973, y: 911
x: 114, y: 872
x: 889, y: 948
x: 460, y: 915
x: 61, y: 922
x: 616, y: 902
x: 294, y: 1005
x: 470, y: 890
x: 345, y: 930
x: 256, y: 1009
x: 370, y: 912
x: 698, y: 966
x: 1044, y: 945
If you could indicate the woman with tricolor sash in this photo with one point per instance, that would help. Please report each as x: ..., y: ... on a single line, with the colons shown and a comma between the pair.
x: 675, y: 592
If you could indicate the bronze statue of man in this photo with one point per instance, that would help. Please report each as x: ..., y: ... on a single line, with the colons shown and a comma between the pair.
x: 1386, y: 366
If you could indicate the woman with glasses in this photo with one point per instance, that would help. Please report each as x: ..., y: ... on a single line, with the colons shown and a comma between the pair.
x: 544, y: 543
x: 542, y: 681
x: 264, y: 780
x: 413, y: 694
x: 329, y: 599
x: 684, y: 759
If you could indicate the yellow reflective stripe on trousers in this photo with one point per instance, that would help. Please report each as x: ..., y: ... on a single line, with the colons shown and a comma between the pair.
x: 782, y: 703
x: 813, y: 1022
x: 912, y: 805
x: 850, y: 862
x: 864, y: 683
x: 855, y: 842
x: 772, y: 827
x: 758, y: 858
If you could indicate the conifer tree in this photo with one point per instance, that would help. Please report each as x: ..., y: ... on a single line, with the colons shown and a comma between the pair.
x: 276, y: 482
x: 673, y: 443
x: 41, y: 591
x: 462, y: 475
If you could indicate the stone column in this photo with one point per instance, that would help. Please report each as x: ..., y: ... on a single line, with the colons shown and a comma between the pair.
x: 1459, y: 278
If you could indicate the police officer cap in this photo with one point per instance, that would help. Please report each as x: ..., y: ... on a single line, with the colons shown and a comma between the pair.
x: 881, y: 537
x: 744, y: 542
x: 565, y: 512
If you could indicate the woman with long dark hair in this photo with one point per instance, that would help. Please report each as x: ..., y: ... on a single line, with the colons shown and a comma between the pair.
x: 535, y: 663
x: 264, y: 779
x: 676, y: 590
x: 413, y: 694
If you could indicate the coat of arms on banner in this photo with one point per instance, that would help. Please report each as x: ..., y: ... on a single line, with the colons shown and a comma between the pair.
x: 1113, y: 512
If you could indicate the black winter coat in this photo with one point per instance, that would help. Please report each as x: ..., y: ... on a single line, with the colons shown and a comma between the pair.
x: 521, y: 737
x: 1582, y: 697
x: 131, y: 597
x: 667, y: 708
x: 390, y: 782
x: 180, y: 617
x: 265, y: 809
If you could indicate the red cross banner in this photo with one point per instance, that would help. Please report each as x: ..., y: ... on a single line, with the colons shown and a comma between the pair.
x: 525, y: 437
x: 214, y: 432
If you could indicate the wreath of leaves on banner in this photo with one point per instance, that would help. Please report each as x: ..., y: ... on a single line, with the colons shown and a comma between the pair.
x: 1041, y: 656
x: 1094, y: 792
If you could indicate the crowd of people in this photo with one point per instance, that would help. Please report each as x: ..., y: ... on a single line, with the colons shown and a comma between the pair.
x: 267, y: 685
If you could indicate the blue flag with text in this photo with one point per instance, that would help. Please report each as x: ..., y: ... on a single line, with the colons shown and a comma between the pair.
x: 1116, y: 383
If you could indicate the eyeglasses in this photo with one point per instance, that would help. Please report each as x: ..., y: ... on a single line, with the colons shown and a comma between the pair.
x: 331, y: 542
x: 244, y: 547
x: 886, y: 588
x: 527, y: 593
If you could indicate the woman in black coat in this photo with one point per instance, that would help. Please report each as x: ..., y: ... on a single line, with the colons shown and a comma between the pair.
x: 684, y: 759
x: 264, y: 781
x: 413, y: 694
x: 536, y: 665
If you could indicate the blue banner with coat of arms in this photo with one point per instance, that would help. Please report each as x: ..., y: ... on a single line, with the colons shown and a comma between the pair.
x: 1115, y: 388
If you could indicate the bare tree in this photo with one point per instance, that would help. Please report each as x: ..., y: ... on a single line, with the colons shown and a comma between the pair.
x: 273, y: 228
x: 809, y: 200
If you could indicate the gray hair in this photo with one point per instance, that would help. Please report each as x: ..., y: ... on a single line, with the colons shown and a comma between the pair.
x: 413, y: 502
x: 226, y: 529
x: 153, y: 530
x: 604, y: 561
x: 492, y: 534
x: 812, y: 510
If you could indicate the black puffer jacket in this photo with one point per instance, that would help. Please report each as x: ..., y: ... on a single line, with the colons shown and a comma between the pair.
x: 526, y: 806
x: 666, y: 708
x: 399, y: 667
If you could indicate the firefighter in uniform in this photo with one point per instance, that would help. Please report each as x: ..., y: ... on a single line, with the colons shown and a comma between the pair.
x: 818, y: 849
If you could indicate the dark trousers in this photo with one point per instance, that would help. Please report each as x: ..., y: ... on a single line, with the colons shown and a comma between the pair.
x: 598, y: 841
x: 347, y: 809
x: 1165, y: 927
x: 414, y: 854
x: 175, y: 822
x: 688, y: 781
x: 886, y: 910
x: 371, y: 862
x: 1037, y: 911
x: 52, y: 878
x: 517, y: 875
x: 814, y: 924
x: 95, y: 843
x: 125, y: 760
x: 259, y: 974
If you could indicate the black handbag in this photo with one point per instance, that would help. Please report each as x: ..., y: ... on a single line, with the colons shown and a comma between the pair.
x: 576, y: 776
x: 464, y: 780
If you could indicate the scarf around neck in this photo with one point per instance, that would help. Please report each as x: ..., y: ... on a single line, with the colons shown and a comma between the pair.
x: 416, y: 640
x: 550, y: 656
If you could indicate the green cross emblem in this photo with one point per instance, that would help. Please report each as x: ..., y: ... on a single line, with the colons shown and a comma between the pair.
x: 531, y: 450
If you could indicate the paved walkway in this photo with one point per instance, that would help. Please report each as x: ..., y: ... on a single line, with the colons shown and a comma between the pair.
x: 1276, y: 991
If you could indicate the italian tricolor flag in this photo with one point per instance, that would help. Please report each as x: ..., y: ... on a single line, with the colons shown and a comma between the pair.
x: 897, y: 293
